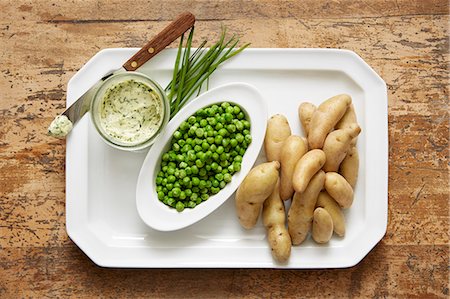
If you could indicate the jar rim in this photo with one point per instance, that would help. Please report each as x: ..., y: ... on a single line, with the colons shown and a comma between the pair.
x: 116, y: 79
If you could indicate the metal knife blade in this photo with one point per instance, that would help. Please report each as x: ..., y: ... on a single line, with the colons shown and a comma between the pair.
x: 79, y: 108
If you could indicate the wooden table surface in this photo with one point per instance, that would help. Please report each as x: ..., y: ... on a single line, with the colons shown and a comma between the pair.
x: 43, y: 43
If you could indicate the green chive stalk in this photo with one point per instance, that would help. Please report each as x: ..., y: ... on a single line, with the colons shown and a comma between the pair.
x: 191, y: 71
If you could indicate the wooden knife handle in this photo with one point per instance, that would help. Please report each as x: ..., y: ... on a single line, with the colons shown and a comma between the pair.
x: 174, y: 30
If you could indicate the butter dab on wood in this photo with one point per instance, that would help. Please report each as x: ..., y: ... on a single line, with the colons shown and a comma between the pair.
x: 60, y: 127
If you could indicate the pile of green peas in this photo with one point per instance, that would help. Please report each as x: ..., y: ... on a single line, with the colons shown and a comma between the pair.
x: 205, y: 151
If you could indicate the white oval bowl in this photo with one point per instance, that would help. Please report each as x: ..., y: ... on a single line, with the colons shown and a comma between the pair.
x: 164, y: 218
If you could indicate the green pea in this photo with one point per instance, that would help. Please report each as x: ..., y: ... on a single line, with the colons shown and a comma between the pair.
x: 226, y: 141
x: 200, y: 112
x: 186, y: 148
x: 192, y: 120
x: 227, y: 178
x: 159, y: 188
x: 183, y: 165
x: 186, y: 180
x: 176, y: 192
x: 171, y: 201
x: 182, y: 173
x: 191, y: 204
x: 236, y: 110
x: 222, y: 185
x: 202, y: 184
x: 219, y: 177
x: 195, y: 181
x: 202, y: 172
x: 188, y: 170
x: 199, y: 163
x: 179, y: 206
x: 194, y: 196
x: 177, y: 134
x: 171, y: 179
x: 242, y: 151
x: 231, y: 128
x: 248, y: 138
x: 218, y: 139
x: 188, y: 192
x: 160, y: 195
x: 239, y: 125
x: 203, y: 123
x: 212, y: 121
x: 165, y: 157
x: 223, y: 132
x: 215, y: 190
x: 240, y: 115
x: 194, y: 169
x: 229, y: 109
x: 228, y: 117
x: 225, y: 105
x: 210, y: 140
x: 231, y: 168
x: 219, y: 126
x: 239, y: 137
x: 180, y: 158
x: 204, y: 196
x: 197, y: 148
x: 237, y: 166
x: 182, y: 195
x: 215, y: 156
x: 172, y: 156
x: 215, y: 183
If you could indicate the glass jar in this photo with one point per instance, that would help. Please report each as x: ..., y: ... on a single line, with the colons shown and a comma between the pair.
x: 129, y: 110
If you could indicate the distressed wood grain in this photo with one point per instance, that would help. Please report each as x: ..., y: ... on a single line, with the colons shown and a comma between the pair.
x: 43, y: 43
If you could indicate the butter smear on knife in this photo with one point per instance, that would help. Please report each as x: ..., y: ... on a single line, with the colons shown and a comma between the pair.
x: 60, y: 127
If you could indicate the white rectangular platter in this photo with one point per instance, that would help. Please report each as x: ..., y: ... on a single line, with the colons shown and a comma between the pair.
x: 101, y: 215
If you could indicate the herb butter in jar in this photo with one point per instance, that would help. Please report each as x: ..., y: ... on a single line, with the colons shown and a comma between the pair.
x: 129, y: 110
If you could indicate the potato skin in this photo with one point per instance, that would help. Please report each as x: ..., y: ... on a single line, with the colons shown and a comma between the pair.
x: 349, y: 166
x: 293, y: 149
x: 301, y: 212
x: 274, y: 219
x: 278, y: 130
x: 325, y: 118
x: 322, y: 228
x: 347, y: 120
x: 306, y: 167
x: 338, y: 187
x: 324, y: 200
x: 253, y: 191
x: 305, y: 113
x: 337, y: 144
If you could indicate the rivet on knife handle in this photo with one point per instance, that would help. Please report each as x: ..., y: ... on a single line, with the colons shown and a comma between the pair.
x: 174, y: 30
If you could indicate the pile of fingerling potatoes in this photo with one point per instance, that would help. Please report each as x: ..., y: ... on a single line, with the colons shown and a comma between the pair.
x: 318, y: 173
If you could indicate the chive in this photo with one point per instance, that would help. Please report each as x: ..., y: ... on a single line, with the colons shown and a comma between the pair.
x: 191, y: 71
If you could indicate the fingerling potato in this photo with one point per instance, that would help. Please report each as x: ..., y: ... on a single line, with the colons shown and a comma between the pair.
x: 324, y: 200
x: 274, y: 219
x: 278, y: 130
x: 337, y: 144
x: 325, y: 118
x: 301, y: 212
x: 306, y: 167
x: 305, y: 113
x: 293, y: 149
x: 349, y: 166
x: 338, y: 187
x: 253, y: 191
x: 322, y: 228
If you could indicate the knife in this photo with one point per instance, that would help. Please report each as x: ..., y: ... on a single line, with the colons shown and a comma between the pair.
x: 64, y: 122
